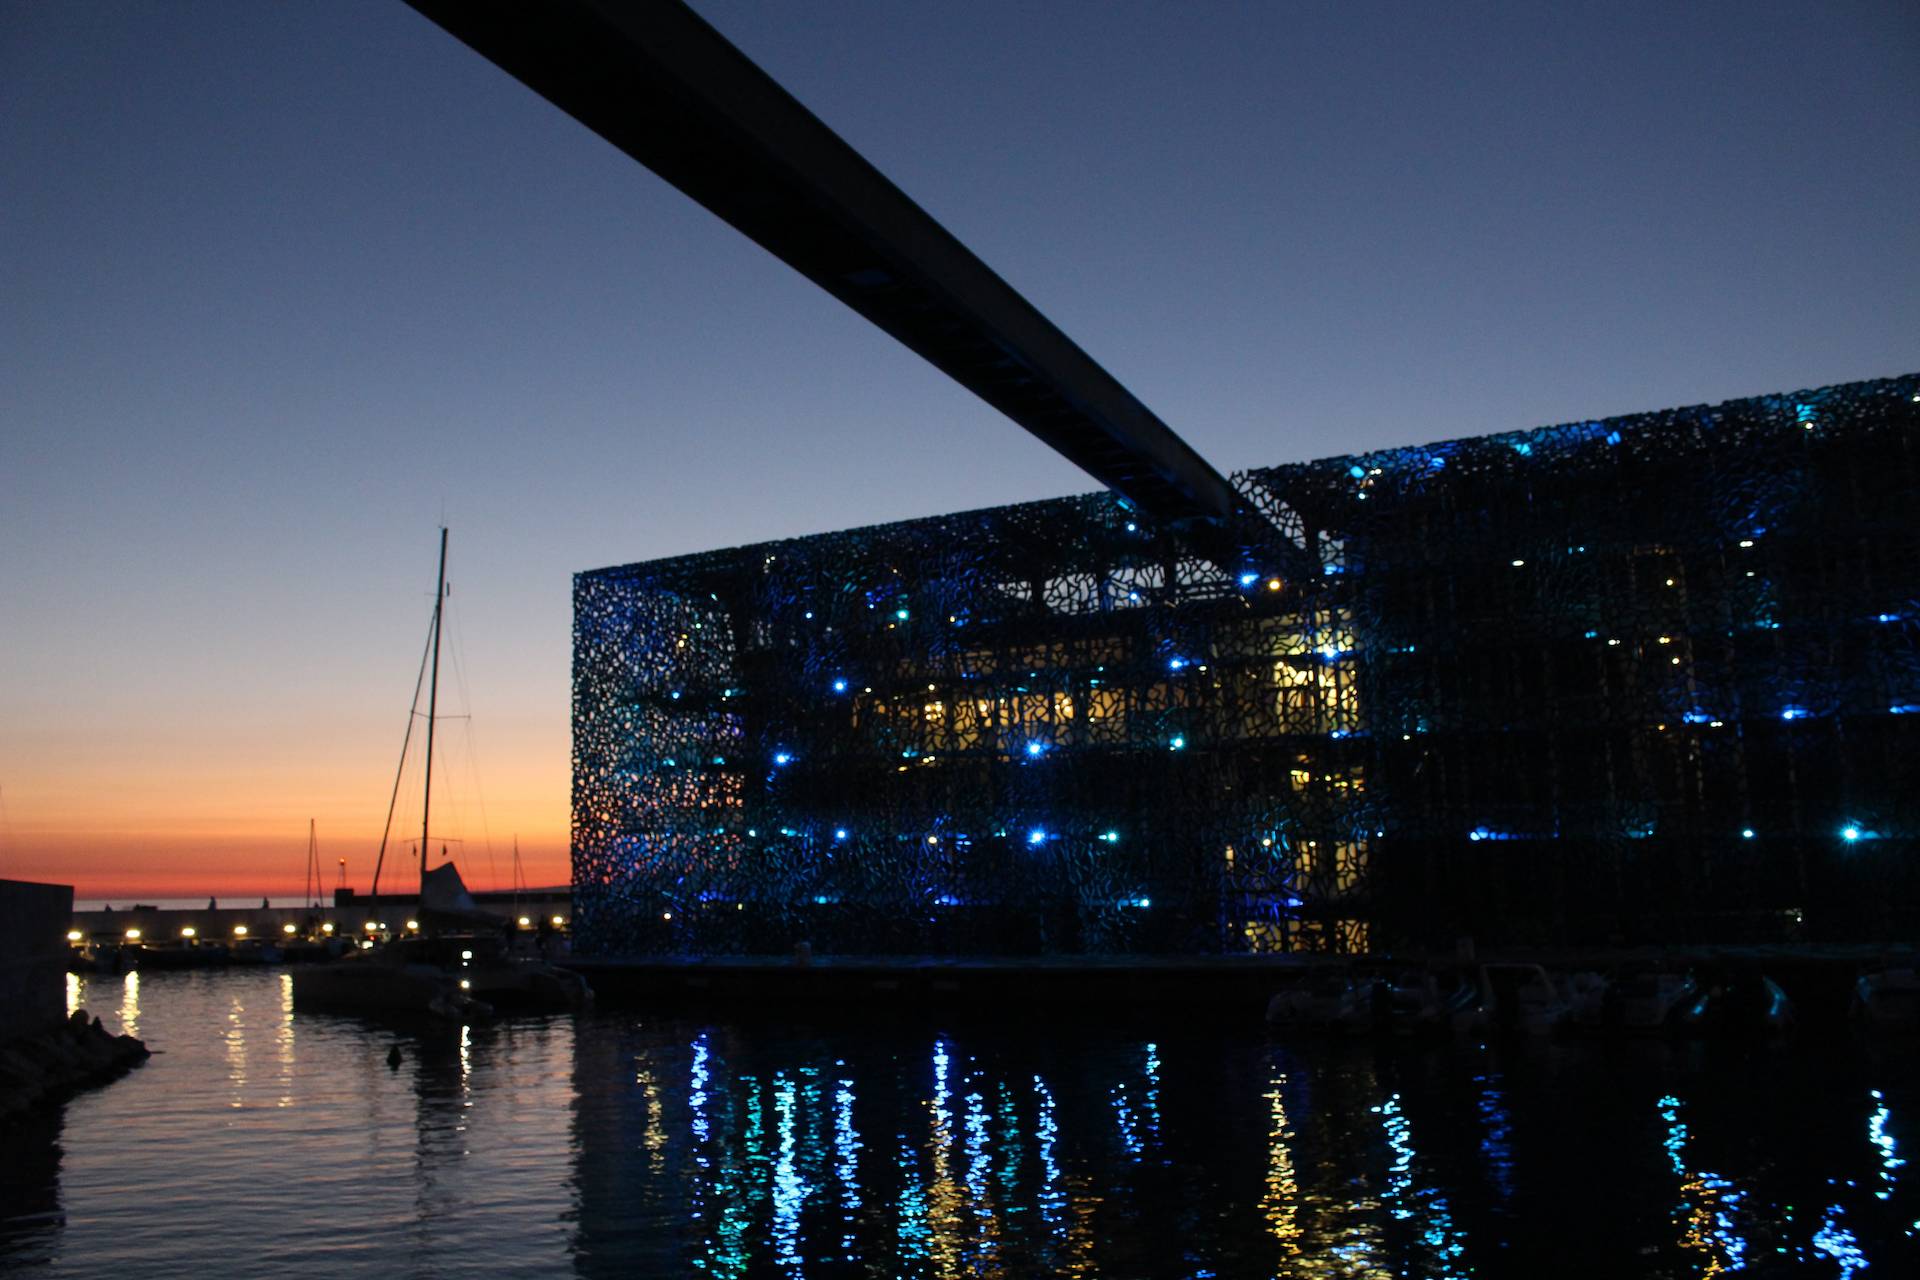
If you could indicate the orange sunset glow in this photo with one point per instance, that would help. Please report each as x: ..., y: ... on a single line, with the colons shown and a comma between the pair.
x: 124, y: 818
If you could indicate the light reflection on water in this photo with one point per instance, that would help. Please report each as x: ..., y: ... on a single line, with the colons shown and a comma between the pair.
x: 623, y: 1144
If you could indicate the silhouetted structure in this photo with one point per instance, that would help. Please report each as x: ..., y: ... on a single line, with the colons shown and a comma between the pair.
x: 1649, y: 677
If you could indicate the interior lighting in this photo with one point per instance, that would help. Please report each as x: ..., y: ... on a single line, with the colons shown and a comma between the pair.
x: 189, y: 932
x: 133, y: 935
x: 526, y: 922
x: 413, y: 926
x: 73, y: 935
x: 327, y: 928
x: 558, y: 921
x: 1519, y: 563
x: 933, y: 839
x: 287, y: 928
x: 466, y: 984
x: 1273, y: 584
x: 666, y: 915
x: 239, y: 931
x: 1746, y: 542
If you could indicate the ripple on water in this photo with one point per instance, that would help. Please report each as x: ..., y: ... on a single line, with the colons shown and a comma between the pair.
x: 618, y: 1143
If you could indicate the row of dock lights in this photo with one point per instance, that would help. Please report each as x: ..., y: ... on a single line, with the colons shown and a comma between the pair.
x: 191, y: 933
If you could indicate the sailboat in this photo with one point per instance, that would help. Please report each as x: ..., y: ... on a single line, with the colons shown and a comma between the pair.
x: 459, y: 967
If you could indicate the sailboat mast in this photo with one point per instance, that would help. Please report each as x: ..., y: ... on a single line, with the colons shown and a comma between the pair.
x: 433, y: 697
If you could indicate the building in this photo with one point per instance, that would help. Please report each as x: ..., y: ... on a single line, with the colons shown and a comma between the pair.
x: 1647, y: 678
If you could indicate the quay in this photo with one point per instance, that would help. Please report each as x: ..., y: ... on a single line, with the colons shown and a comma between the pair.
x: 348, y: 915
x: 1231, y: 987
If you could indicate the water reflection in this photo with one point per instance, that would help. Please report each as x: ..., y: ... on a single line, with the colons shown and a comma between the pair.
x: 624, y: 1145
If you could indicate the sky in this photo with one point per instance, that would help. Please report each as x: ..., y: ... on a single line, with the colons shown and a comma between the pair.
x: 285, y: 287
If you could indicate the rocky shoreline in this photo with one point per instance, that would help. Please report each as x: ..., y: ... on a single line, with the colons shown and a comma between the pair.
x: 73, y: 1054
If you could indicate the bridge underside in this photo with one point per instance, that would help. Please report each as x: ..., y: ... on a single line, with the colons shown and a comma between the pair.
x: 664, y: 87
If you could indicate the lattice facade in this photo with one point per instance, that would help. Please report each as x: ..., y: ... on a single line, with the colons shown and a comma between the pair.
x: 1650, y: 677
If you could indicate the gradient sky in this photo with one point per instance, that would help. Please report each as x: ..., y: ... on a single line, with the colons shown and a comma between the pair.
x: 284, y: 286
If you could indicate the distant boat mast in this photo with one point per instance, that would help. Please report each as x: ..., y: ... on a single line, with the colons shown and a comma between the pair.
x: 433, y: 697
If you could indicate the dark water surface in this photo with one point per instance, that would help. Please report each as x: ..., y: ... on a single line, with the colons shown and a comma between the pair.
x: 260, y: 1141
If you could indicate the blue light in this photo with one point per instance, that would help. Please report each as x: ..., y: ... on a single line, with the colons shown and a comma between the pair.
x: 1613, y: 437
x: 1593, y: 635
x: 675, y: 695
x: 1174, y: 664
x: 781, y: 757
x: 1132, y: 527
x: 1794, y: 713
x: 1178, y: 743
x: 719, y: 759
x: 1436, y: 462
x: 1850, y: 834
x: 1248, y: 579
x: 821, y: 899
x: 839, y: 833
x: 1904, y: 708
x: 1523, y: 449
x: 1296, y: 902
x: 1697, y: 717
x: 1035, y: 748
x: 1746, y: 833
x: 751, y: 832
x: 809, y: 615
x: 1357, y: 471
x: 1143, y: 902
x: 1109, y: 837
x: 1037, y: 836
x: 1889, y: 617
x: 900, y: 614
x: 839, y: 686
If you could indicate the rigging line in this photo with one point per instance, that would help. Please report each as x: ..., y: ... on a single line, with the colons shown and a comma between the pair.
x: 393, y: 799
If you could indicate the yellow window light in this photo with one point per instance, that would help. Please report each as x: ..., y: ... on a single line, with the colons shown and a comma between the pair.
x: 239, y: 931
x: 133, y: 935
x: 287, y: 928
x: 189, y: 932
x: 74, y: 935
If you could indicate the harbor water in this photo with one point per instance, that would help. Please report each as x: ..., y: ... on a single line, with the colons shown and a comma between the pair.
x: 259, y: 1140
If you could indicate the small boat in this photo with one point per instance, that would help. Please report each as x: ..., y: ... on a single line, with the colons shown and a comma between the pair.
x: 1421, y: 1001
x: 388, y: 981
x: 1587, y: 999
x: 1659, y: 1000
x: 1747, y: 1002
x: 1888, y: 999
x: 1319, y: 997
x: 183, y: 953
x: 102, y: 953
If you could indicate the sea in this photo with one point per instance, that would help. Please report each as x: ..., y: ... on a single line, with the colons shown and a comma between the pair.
x: 263, y: 1141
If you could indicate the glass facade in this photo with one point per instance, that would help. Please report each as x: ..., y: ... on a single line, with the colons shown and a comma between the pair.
x: 1649, y: 678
